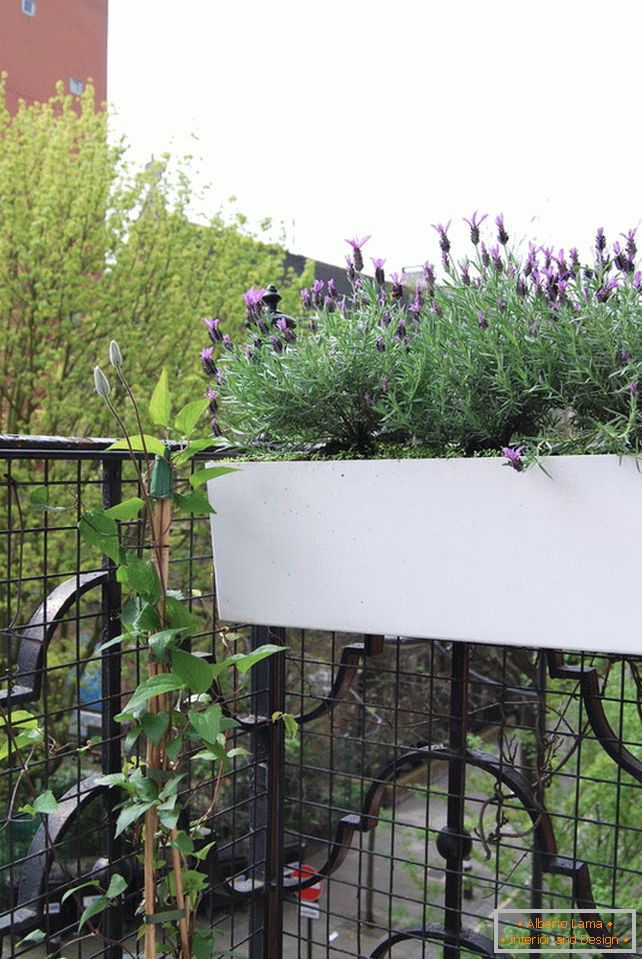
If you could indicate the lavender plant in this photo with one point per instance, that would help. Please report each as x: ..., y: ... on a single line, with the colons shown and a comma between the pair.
x: 500, y: 351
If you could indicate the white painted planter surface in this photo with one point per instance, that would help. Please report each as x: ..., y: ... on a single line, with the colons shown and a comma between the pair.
x: 463, y: 549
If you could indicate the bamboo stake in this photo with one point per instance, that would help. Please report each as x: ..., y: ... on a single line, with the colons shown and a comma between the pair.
x: 160, y: 522
x: 155, y: 757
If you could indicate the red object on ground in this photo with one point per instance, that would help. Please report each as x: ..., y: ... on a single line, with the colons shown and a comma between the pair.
x: 312, y: 893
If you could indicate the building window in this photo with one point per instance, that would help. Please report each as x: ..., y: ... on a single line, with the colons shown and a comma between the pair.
x: 76, y: 86
x: 29, y: 7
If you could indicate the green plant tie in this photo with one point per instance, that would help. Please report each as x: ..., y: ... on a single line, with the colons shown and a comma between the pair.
x: 162, y: 485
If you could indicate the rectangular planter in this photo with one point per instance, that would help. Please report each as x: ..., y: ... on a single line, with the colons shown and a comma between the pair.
x: 462, y: 549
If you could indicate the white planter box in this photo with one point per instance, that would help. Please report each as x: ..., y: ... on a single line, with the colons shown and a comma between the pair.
x: 463, y: 549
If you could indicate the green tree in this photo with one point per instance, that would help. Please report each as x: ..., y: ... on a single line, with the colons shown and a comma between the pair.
x: 90, y: 249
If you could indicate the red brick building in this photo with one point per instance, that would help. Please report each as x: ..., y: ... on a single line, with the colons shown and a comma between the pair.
x: 43, y: 41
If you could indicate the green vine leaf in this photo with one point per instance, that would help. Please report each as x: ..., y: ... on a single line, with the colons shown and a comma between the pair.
x: 154, y: 686
x: 140, y: 442
x: 189, y: 415
x: 207, y: 725
x: 208, y: 473
x: 195, y: 671
x: 101, y: 530
x: 46, y: 803
x: 155, y: 726
x: 129, y: 814
x: 194, y: 502
x: 99, y: 905
x: 141, y: 577
x: 194, y: 447
x: 128, y: 509
x: 244, y: 661
x: 160, y: 405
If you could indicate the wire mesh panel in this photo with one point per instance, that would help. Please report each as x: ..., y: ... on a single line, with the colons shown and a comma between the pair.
x: 388, y: 795
x: 64, y: 684
x: 435, y: 783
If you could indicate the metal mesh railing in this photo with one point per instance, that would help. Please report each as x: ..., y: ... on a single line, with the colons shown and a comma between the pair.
x: 429, y: 785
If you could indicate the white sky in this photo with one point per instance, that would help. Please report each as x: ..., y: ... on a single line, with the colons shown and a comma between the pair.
x: 347, y: 117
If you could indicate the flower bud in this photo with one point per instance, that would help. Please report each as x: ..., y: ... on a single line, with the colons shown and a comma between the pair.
x: 115, y: 356
x: 101, y: 382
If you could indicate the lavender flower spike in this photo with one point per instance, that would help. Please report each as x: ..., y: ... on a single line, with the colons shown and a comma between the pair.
x: 474, y: 225
x: 378, y: 264
x: 213, y: 329
x: 444, y: 242
x: 514, y: 457
x: 357, y: 256
x: 502, y: 235
x: 253, y: 299
x: 207, y: 360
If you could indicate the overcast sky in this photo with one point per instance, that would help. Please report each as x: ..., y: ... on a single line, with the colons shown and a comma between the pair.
x: 348, y: 117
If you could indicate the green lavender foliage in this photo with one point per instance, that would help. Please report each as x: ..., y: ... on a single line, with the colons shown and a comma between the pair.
x: 503, y: 350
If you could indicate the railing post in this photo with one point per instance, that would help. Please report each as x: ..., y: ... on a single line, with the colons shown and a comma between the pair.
x: 110, y: 695
x: 268, y: 697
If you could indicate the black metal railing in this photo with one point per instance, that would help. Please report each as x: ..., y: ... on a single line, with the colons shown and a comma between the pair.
x: 429, y: 785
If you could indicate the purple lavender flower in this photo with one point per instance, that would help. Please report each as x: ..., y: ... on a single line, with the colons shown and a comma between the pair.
x: 312, y: 325
x: 385, y: 385
x: 574, y: 258
x: 329, y: 303
x: 514, y: 457
x: 356, y: 245
x: 207, y: 360
x: 415, y: 308
x: 637, y: 280
x: 633, y: 388
x: 216, y: 429
x: 282, y: 326
x: 380, y: 344
x: 497, y: 258
x: 502, y: 235
x: 621, y: 260
x: 396, y: 290
x: 257, y: 343
x: 474, y: 225
x: 379, y: 264
x: 227, y: 343
x: 625, y: 356
x: 331, y: 288
x: 428, y: 274
x: 212, y: 328
x: 261, y: 324
x: 485, y: 257
x: 600, y: 240
x: 212, y: 396
x: 317, y: 289
x: 605, y: 290
x: 631, y: 248
x: 367, y: 399
x: 464, y: 269
x: 350, y: 267
x: 253, y: 299
x: 386, y: 318
x: 481, y: 319
x: 306, y: 298
x: 521, y: 287
x: 444, y: 242
x: 445, y: 262
x: 277, y: 344
x: 401, y: 330
x: 437, y: 310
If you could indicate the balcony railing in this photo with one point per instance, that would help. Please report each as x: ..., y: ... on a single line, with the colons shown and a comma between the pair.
x: 430, y: 784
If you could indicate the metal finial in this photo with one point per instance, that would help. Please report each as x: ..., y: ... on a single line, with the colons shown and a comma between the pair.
x: 271, y: 298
